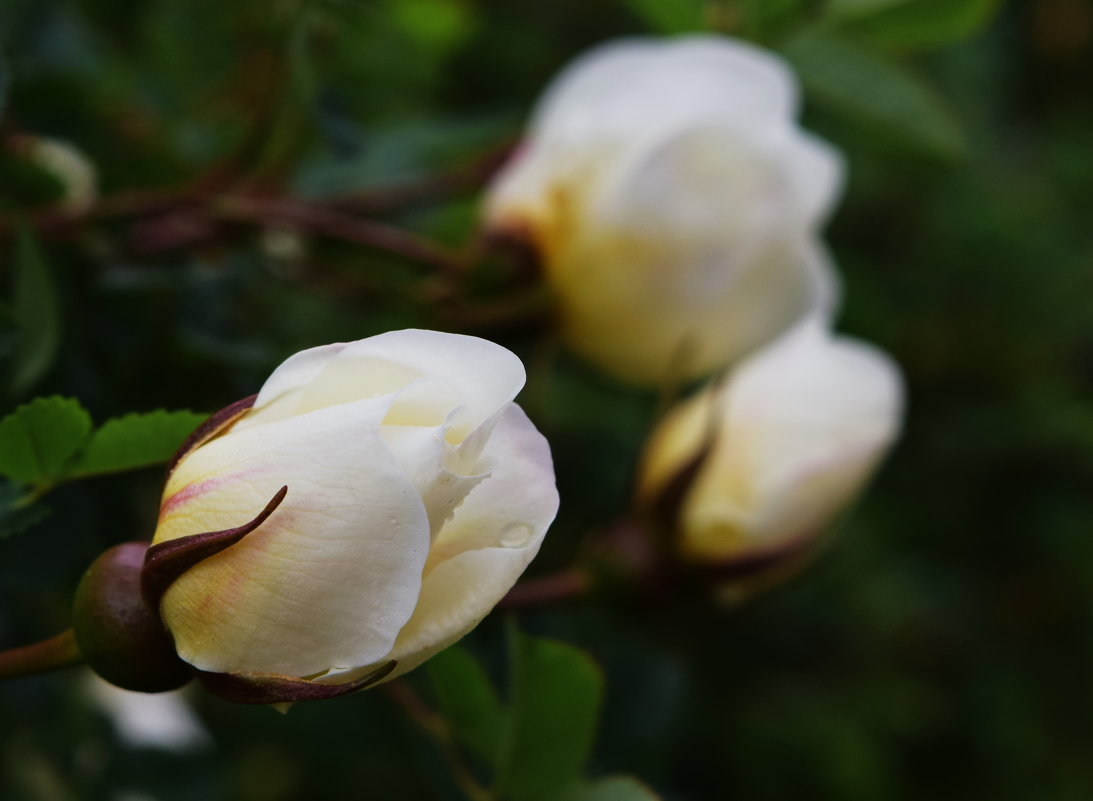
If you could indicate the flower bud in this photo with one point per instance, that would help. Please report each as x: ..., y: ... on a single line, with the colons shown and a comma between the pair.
x: 674, y: 204
x: 758, y: 465
x: 408, y: 494
x: 73, y: 170
x: 119, y: 635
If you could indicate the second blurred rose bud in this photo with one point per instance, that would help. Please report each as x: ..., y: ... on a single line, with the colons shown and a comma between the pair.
x: 673, y: 203
x: 753, y: 469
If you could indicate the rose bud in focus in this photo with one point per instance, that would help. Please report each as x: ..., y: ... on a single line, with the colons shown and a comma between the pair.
x: 366, y: 510
x: 753, y: 469
x: 674, y: 204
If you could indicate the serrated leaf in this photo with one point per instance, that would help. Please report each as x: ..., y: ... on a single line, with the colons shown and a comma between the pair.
x: 874, y: 93
x: 135, y: 440
x: 467, y: 700
x: 669, y: 16
x: 555, y: 697
x: 36, y: 309
x: 926, y: 23
x: 38, y: 439
x: 615, y: 788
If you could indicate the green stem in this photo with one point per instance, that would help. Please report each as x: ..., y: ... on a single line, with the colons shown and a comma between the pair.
x: 436, y: 727
x: 34, y: 495
x: 57, y: 652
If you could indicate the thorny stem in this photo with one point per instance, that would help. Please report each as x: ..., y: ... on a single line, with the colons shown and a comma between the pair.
x: 434, y: 724
x: 54, y: 653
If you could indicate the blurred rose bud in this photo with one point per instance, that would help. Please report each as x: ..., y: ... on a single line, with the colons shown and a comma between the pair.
x: 674, y: 204
x: 754, y: 468
x: 365, y: 510
x: 72, y: 169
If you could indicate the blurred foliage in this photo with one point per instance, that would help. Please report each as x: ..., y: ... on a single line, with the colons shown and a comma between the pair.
x: 940, y: 649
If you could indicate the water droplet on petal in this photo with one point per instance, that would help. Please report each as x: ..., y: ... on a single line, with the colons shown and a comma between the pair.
x: 516, y: 535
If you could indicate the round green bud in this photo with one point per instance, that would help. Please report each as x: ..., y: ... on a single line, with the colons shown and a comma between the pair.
x: 119, y: 635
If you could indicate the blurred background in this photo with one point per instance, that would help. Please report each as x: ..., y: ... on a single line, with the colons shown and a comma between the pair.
x: 941, y: 647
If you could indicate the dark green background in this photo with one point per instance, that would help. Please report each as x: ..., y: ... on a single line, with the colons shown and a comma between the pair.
x: 941, y: 647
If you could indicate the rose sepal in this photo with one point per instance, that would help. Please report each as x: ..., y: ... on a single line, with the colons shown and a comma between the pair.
x: 164, y: 562
x: 274, y: 688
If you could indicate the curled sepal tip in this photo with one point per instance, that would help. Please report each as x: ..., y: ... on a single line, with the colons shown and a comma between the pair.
x: 273, y: 688
x: 166, y: 561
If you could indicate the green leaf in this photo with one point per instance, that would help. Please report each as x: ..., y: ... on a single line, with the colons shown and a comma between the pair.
x: 926, y: 23
x: 135, y: 440
x: 437, y: 25
x: 553, y: 712
x: 875, y: 93
x: 669, y: 16
x: 852, y: 9
x: 467, y: 700
x: 38, y: 439
x: 616, y: 788
x: 37, y: 311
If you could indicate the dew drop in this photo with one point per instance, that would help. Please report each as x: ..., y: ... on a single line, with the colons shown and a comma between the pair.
x: 516, y: 535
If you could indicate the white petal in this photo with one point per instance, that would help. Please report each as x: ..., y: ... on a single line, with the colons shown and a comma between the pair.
x: 492, y: 538
x: 806, y: 420
x: 293, y: 374
x: 430, y: 463
x: 816, y: 169
x: 475, y: 373
x: 483, y: 376
x: 672, y: 307
x: 631, y: 87
x: 331, y: 577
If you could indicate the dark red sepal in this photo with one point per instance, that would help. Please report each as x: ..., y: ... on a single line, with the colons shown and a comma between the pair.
x: 759, y: 560
x: 213, y: 424
x: 166, y: 561
x: 273, y: 688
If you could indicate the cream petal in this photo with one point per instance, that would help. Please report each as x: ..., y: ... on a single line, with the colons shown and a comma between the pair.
x: 426, y: 458
x: 633, y: 86
x: 476, y: 373
x: 817, y: 172
x: 806, y: 420
x: 287, y: 380
x: 333, y: 575
x: 672, y: 311
x: 482, y: 375
x: 491, y: 539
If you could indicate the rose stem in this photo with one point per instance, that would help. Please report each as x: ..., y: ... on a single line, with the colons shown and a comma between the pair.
x: 54, y: 653
x: 433, y: 724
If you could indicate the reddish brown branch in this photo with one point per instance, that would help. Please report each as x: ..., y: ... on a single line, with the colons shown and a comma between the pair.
x: 563, y: 586
x: 59, y: 651
x: 336, y: 224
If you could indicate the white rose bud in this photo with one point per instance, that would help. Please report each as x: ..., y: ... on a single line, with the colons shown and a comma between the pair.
x: 674, y: 204
x: 417, y: 493
x: 770, y: 456
x: 76, y: 173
